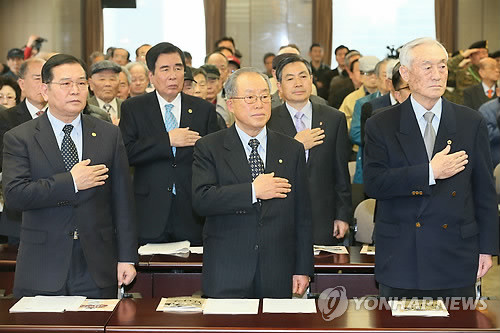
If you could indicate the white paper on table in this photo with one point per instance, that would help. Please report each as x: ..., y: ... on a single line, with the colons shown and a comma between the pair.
x: 338, y: 249
x: 418, y: 307
x: 196, y: 249
x: 367, y: 249
x: 285, y: 305
x: 231, y: 306
x: 47, y: 304
x: 98, y: 305
x: 165, y: 248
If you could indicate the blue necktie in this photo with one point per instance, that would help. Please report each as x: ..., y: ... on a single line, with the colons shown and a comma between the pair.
x: 170, y: 124
x: 170, y: 121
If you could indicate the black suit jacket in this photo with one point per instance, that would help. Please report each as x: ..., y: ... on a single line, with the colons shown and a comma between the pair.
x: 10, y: 221
x: 328, y: 174
x: 429, y: 237
x: 35, y: 182
x: 474, y: 96
x: 368, y: 108
x: 238, y: 236
x: 157, y: 170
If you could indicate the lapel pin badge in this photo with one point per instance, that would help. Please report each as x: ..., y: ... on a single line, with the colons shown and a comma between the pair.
x: 449, y: 142
x: 190, y: 110
x: 280, y: 161
x: 93, y: 134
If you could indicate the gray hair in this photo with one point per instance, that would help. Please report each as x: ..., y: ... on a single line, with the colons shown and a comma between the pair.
x: 406, y: 54
x: 231, y: 88
x: 24, y: 66
x: 127, y: 74
x: 379, y: 64
x: 349, y: 55
x: 390, y: 66
x: 130, y: 65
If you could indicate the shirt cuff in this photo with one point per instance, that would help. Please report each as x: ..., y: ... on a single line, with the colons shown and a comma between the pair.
x: 254, y: 198
x: 74, y: 183
x: 432, y: 181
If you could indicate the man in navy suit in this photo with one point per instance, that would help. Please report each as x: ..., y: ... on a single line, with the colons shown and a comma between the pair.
x: 250, y: 182
x: 428, y: 164
x: 159, y: 131
x: 68, y: 174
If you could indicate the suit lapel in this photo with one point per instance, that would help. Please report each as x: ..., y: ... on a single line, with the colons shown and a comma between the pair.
x: 275, y: 161
x: 285, y: 122
x: 317, y: 122
x: 154, y: 114
x: 447, y: 128
x: 409, y: 136
x: 236, y: 157
x: 45, y: 137
x: 23, y: 114
x: 186, y: 112
x: 90, y: 138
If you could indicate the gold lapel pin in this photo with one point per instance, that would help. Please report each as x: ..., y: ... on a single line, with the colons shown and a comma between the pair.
x: 320, y: 123
x: 190, y: 111
x: 449, y: 142
x: 280, y: 161
x: 93, y: 134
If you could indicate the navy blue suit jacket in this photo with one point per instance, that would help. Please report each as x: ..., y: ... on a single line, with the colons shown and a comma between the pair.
x: 429, y: 237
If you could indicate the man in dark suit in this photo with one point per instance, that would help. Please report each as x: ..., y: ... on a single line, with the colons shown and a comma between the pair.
x: 428, y: 164
x: 159, y: 131
x: 30, y: 79
x: 323, y: 132
x: 326, y: 77
x: 250, y: 182
x: 478, y: 94
x: 68, y: 174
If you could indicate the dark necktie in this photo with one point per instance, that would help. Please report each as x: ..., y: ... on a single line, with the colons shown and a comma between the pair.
x: 68, y: 149
x: 256, y: 164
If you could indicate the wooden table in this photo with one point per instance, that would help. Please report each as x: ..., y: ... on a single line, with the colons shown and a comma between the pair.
x: 140, y: 316
x: 50, y: 322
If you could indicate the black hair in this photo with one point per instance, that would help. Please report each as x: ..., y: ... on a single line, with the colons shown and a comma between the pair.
x: 290, y: 58
x: 58, y: 60
x: 340, y: 47
x: 8, y: 81
x: 162, y: 48
x: 352, y: 64
x: 137, y: 49
x: 120, y: 48
x: 267, y: 55
x: 187, y: 55
x: 225, y: 38
x: 315, y: 45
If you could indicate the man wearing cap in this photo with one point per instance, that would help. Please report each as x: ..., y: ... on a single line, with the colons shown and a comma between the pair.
x: 465, y: 67
x: 15, y: 58
x: 214, y: 95
x: 189, y: 82
x: 428, y: 165
x: 159, y: 131
x: 104, y: 82
x: 478, y: 94
x: 68, y: 174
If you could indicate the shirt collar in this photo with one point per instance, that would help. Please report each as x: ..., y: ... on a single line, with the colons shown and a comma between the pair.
x: 113, y: 103
x: 58, y: 125
x: 420, y: 110
x: 176, y: 102
x: 393, y: 100
x: 262, y: 137
x: 33, y: 109
x: 307, y: 110
x: 486, y: 88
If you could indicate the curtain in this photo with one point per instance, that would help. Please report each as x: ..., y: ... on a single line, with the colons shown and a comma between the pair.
x: 215, y: 22
x: 322, y: 27
x: 446, y: 23
x: 92, y: 30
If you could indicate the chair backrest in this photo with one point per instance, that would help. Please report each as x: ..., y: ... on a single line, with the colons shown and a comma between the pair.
x: 496, y: 173
x: 352, y: 169
x: 363, y: 215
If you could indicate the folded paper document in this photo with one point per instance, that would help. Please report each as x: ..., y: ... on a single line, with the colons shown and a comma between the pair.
x: 181, y: 304
x: 231, y: 306
x: 165, y: 248
x: 332, y: 249
x: 367, y: 249
x: 295, y: 305
x: 47, y: 304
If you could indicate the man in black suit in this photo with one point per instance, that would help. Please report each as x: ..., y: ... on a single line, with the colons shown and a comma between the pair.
x: 30, y: 79
x: 159, y: 131
x: 428, y: 164
x: 250, y: 182
x: 477, y: 95
x: 326, y: 77
x: 68, y: 174
x: 323, y: 132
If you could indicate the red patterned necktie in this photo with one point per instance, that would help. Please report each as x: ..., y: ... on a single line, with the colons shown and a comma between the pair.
x: 490, y: 93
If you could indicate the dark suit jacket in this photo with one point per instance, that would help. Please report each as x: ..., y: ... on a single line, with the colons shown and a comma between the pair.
x: 328, y: 175
x: 277, y: 101
x: 36, y: 183
x: 368, y: 108
x: 239, y: 236
x: 340, y: 87
x: 429, y: 237
x: 474, y: 96
x: 157, y: 170
x: 10, y: 221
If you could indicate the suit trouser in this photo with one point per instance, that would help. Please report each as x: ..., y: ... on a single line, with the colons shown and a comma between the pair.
x: 78, y: 283
x: 386, y: 291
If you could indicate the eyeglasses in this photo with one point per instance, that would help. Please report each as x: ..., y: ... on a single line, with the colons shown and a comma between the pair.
x: 252, y: 99
x: 367, y: 73
x: 67, y: 85
x: 403, y: 88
